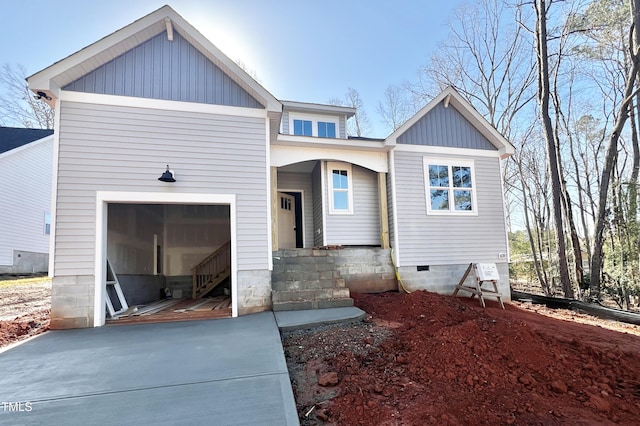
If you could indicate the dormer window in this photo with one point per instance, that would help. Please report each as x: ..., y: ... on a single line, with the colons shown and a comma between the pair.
x: 303, y: 127
x: 302, y: 124
x: 326, y: 129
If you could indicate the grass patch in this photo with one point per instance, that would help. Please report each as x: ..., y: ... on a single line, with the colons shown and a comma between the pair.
x: 23, y: 281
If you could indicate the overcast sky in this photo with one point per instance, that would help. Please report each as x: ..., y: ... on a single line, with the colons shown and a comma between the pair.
x: 304, y: 50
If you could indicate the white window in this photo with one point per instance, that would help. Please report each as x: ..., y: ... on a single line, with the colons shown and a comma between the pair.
x: 310, y: 125
x: 450, y: 186
x: 47, y: 223
x: 340, y: 188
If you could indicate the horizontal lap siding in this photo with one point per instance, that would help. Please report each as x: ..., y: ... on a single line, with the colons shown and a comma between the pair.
x: 111, y: 148
x: 433, y: 239
x: 25, y: 196
x: 363, y: 226
x: 301, y: 181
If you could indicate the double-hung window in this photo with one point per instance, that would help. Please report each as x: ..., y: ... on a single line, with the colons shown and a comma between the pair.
x: 340, y: 188
x: 326, y: 129
x: 302, y: 127
x: 450, y: 186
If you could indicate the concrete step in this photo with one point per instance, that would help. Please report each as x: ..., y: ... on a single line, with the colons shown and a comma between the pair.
x: 306, y: 295
x: 297, y: 285
x: 312, y: 304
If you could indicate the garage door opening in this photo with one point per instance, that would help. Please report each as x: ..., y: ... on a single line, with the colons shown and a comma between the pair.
x: 171, y: 261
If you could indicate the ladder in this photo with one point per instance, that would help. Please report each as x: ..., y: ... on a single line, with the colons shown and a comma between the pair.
x: 112, y: 280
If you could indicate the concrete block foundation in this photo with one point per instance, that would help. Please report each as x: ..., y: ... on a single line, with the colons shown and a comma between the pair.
x: 442, y: 279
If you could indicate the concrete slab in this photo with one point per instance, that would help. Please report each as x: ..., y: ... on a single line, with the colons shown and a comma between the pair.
x: 226, y: 371
x: 295, y: 320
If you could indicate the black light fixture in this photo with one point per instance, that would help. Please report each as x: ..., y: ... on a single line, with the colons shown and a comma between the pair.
x: 167, y: 176
x: 40, y: 95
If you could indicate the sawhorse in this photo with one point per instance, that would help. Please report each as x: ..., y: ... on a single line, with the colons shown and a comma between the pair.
x: 477, y: 290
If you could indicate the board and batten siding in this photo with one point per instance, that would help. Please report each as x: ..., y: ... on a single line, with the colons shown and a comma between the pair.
x: 115, y: 148
x: 162, y: 69
x: 445, y: 127
x: 302, y: 182
x: 25, y: 197
x: 363, y: 226
x: 448, y: 239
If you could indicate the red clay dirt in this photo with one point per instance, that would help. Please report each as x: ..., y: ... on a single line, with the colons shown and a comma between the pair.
x: 424, y: 358
x: 24, y: 310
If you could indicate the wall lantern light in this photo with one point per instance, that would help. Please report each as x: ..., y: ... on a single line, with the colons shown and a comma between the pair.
x: 167, y: 176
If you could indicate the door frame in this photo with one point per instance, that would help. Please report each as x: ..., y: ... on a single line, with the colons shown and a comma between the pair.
x: 301, y: 192
x: 103, y: 198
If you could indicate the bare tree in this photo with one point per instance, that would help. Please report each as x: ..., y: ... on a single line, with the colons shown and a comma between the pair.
x: 597, y: 259
x: 554, y: 166
x: 18, y: 106
x: 359, y: 125
x: 487, y: 59
x: 395, y: 108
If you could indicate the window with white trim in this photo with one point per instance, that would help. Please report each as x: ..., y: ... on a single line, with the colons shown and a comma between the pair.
x: 302, y: 127
x: 450, y: 186
x: 301, y: 124
x: 47, y: 223
x: 326, y: 129
x: 340, y: 188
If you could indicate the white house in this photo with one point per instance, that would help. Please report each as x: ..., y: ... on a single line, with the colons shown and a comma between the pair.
x: 26, y: 157
x: 256, y: 183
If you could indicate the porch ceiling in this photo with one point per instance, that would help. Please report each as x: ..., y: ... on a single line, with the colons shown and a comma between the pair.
x: 303, y: 167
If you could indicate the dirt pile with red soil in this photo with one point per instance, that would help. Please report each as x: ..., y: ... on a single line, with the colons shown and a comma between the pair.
x: 23, y: 327
x: 424, y: 358
x: 24, y: 309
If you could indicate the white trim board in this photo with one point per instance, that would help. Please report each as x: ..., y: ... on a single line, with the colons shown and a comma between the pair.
x: 103, y: 198
x: 284, y: 155
x: 444, y: 150
x: 54, y: 189
x: 129, y: 101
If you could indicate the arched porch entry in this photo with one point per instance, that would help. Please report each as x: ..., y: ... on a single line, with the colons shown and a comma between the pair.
x: 323, y: 197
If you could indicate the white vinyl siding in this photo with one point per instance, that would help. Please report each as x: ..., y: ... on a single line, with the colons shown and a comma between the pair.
x: 115, y: 148
x: 449, y: 239
x: 301, y: 181
x: 25, y: 197
x: 363, y: 226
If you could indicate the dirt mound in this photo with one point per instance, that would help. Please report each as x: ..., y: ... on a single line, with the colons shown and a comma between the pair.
x: 23, y: 327
x: 429, y: 359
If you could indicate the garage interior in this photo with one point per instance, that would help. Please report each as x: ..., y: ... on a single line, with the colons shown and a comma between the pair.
x: 171, y: 261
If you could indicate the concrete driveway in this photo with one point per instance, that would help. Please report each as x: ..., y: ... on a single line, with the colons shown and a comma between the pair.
x: 223, y: 372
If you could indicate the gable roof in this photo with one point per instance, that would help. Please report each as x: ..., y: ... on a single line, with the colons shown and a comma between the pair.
x: 451, y: 97
x: 15, y: 137
x: 78, y: 64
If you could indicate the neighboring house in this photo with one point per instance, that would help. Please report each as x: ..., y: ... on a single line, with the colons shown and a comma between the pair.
x: 258, y: 182
x: 26, y: 157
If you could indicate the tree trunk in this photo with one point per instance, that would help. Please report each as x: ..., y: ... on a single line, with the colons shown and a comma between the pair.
x: 597, y: 259
x: 552, y: 158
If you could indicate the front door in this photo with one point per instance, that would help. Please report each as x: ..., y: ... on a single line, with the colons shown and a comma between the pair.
x: 286, y: 221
